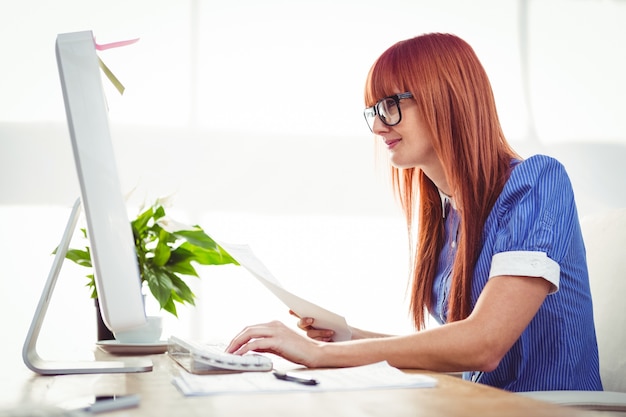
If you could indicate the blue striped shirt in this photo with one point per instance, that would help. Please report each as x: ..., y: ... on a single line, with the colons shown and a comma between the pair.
x: 533, y: 230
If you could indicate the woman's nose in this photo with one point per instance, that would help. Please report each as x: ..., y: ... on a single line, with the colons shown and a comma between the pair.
x: 378, y: 127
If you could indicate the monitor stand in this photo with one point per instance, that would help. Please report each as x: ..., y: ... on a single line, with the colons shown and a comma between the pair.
x: 29, y: 351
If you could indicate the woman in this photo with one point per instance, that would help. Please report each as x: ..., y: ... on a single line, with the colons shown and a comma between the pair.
x: 498, y: 257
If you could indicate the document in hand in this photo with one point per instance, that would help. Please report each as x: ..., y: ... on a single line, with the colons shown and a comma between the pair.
x: 324, y: 319
x: 379, y: 375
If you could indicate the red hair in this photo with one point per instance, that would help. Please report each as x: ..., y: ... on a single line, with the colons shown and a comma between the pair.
x: 454, y: 96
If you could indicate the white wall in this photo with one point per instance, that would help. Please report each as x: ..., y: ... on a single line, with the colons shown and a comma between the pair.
x: 269, y: 94
x: 251, y: 113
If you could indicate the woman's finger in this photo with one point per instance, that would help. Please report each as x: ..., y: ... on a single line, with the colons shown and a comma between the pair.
x: 305, y: 323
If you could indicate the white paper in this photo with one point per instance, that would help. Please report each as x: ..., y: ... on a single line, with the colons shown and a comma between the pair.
x: 375, y: 376
x: 324, y: 319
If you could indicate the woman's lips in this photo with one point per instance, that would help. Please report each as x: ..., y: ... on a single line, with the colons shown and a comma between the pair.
x: 392, y: 143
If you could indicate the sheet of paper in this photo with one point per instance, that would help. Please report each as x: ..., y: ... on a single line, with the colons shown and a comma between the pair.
x: 375, y: 376
x: 324, y: 319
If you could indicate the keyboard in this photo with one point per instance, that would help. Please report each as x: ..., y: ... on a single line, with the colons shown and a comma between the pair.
x: 202, y: 358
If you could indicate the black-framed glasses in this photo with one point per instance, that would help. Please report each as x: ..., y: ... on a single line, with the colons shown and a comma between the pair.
x: 387, y: 109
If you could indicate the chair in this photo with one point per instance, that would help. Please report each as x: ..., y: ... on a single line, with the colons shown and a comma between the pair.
x: 605, y: 241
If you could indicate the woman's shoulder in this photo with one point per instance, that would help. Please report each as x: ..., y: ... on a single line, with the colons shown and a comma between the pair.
x: 542, y: 176
x: 536, y: 164
x: 536, y: 169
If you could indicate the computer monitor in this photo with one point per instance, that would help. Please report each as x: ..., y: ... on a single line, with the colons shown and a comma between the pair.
x: 108, y: 227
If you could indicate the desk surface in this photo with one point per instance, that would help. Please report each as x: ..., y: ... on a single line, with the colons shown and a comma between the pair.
x: 159, y: 397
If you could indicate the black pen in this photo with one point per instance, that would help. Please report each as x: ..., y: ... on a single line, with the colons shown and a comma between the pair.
x: 294, y: 377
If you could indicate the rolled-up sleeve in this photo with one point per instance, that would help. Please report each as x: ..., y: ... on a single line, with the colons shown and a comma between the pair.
x: 524, y: 263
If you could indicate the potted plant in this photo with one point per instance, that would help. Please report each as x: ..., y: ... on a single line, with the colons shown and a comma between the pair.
x: 166, y: 251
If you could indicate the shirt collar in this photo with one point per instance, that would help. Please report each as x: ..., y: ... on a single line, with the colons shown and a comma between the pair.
x: 445, y: 199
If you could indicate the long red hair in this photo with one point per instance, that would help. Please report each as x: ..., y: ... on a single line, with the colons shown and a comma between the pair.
x: 454, y: 96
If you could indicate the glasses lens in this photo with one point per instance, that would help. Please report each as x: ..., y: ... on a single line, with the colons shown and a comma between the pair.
x: 389, y: 111
x: 370, y: 114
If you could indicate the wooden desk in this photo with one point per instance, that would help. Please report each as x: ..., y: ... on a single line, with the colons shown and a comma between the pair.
x: 159, y: 397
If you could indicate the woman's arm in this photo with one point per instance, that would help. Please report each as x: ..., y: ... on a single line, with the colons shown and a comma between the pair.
x: 504, y: 309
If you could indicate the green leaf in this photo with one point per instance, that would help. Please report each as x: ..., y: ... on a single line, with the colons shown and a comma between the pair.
x: 159, y: 212
x: 170, y: 307
x: 80, y: 257
x: 217, y: 256
x: 182, y: 292
x: 197, y: 237
x: 168, y: 288
x: 183, y: 267
x: 159, y: 283
x: 92, y: 284
x: 140, y: 224
x: 162, y: 251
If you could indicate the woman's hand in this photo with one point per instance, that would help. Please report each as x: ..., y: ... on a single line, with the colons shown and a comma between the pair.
x: 276, y: 338
x: 306, y: 324
x: 326, y: 335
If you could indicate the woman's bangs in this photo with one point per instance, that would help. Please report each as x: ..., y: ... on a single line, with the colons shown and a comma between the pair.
x: 382, y: 81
